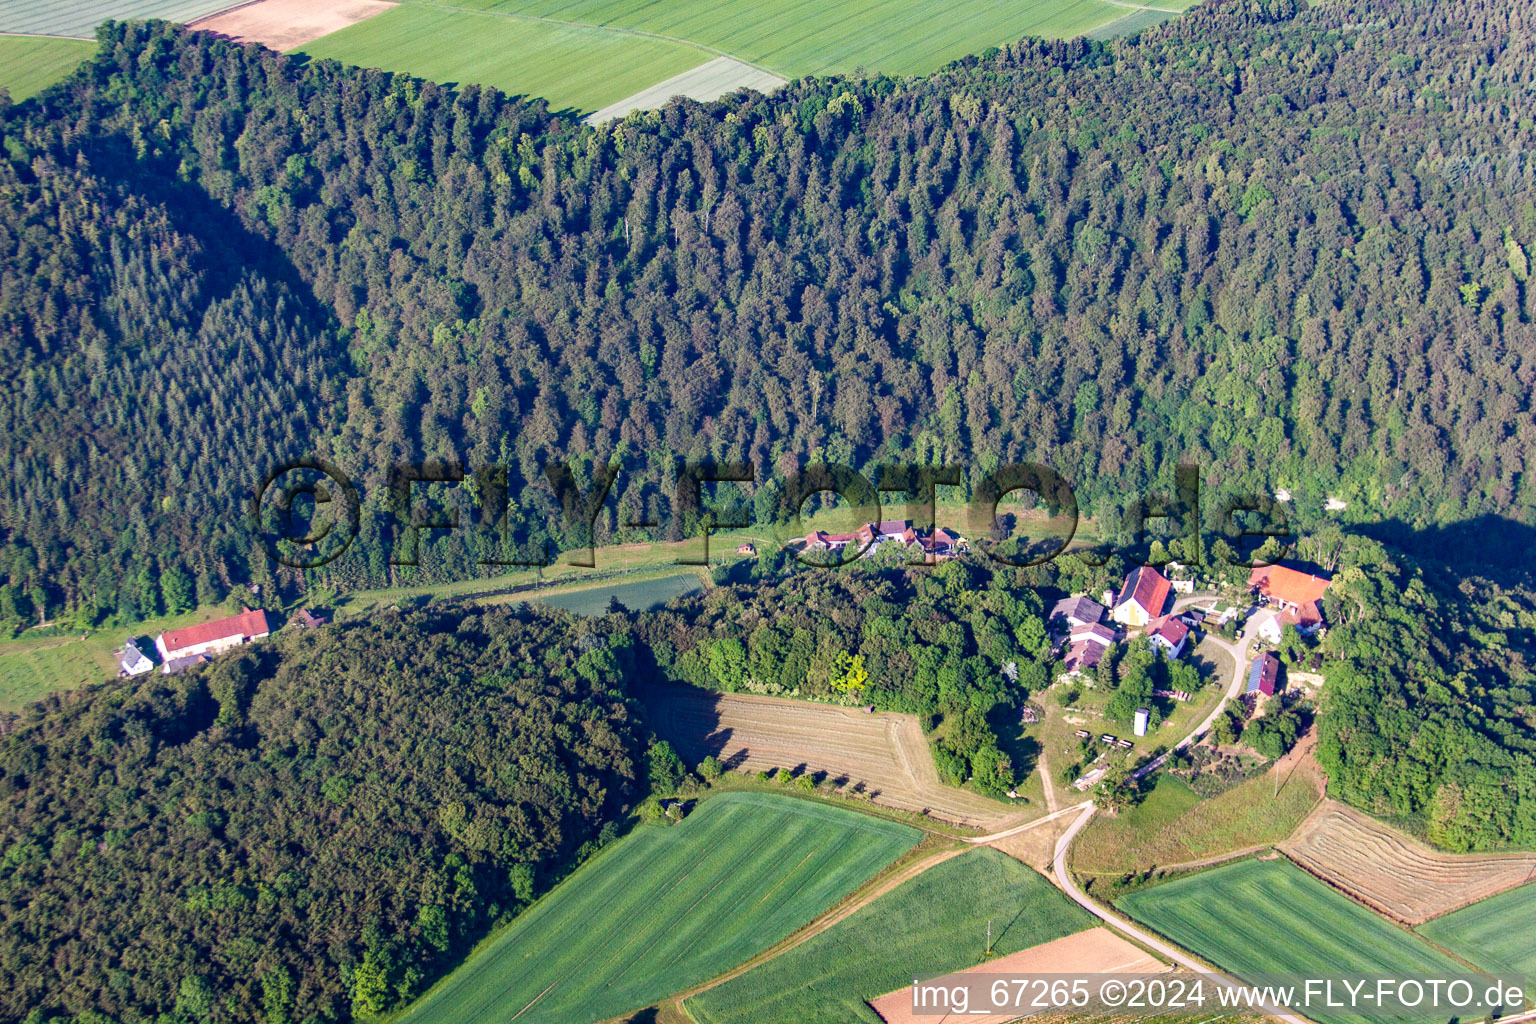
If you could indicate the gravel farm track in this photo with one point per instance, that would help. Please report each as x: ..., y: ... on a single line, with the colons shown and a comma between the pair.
x: 1392, y: 873
x: 880, y: 755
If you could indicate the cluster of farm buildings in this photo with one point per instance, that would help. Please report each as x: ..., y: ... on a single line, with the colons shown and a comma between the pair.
x: 937, y: 546
x: 1286, y: 597
x: 182, y: 649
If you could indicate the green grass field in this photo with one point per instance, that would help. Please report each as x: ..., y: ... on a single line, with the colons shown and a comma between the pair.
x: 584, y: 54
x: 1170, y: 828
x: 666, y: 909
x: 575, y: 67
x: 29, y: 64
x: 1495, y: 934
x: 640, y: 595
x: 812, y: 37
x: 933, y: 924
x: 1270, y: 917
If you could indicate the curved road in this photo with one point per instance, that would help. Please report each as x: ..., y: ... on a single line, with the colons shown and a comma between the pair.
x: 1239, y: 654
x: 1120, y: 924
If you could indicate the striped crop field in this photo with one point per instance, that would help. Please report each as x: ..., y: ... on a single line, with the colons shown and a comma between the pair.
x: 574, y: 67
x: 933, y: 924
x: 666, y: 909
x: 804, y: 37
x: 79, y: 18
x: 1497, y: 934
x: 1270, y: 917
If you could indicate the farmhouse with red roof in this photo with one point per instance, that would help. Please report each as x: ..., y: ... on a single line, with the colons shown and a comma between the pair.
x: 206, y: 638
x: 1142, y: 597
x: 1296, y: 595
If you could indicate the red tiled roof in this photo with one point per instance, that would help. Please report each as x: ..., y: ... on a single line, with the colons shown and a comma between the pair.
x: 1170, y: 629
x: 1083, y: 655
x: 1289, y: 585
x: 1306, y: 615
x: 247, y: 624
x: 1147, y: 587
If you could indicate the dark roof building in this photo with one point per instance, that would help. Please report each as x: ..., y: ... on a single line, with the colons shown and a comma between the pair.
x: 1078, y: 611
x: 1264, y: 676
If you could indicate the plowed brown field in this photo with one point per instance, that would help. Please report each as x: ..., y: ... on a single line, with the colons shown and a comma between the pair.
x: 882, y: 755
x: 284, y: 24
x: 1394, y: 874
x: 1095, y: 951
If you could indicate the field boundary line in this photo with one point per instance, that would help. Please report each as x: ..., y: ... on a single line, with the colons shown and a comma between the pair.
x: 1386, y: 915
x: 222, y: 11
x: 619, y: 29
x: 856, y: 901
x: 1139, y: 7
x: 45, y: 35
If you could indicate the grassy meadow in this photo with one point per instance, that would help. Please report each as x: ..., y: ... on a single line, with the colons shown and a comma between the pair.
x: 1174, y: 826
x: 668, y: 908
x: 1270, y: 917
x: 30, y: 64
x: 933, y: 924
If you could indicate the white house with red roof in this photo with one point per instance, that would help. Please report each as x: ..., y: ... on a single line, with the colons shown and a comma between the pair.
x: 1142, y: 598
x: 1168, y: 635
x: 209, y: 638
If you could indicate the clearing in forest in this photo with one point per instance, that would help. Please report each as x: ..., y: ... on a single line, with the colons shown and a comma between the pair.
x: 880, y: 755
x: 1396, y: 875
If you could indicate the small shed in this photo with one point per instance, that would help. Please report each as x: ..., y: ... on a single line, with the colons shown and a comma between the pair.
x: 1142, y: 719
x: 746, y: 549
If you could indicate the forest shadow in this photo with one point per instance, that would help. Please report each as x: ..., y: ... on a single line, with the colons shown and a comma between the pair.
x: 1023, y: 750
x: 1493, y: 546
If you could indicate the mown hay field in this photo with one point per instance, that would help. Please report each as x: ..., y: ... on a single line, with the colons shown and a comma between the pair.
x: 881, y: 756
x: 1398, y: 876
x: 1270, y: 917
x: 934, y: 924
x: 666, y: 909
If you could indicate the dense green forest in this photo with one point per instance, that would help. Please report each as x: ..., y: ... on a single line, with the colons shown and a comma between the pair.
x: 309, y: 830
x: 1429, y: 713
x: 1291, y: 246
